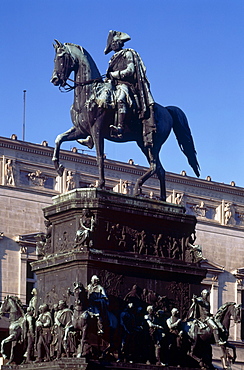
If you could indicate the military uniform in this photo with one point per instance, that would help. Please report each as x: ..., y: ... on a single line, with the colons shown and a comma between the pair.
x: 127, y: 73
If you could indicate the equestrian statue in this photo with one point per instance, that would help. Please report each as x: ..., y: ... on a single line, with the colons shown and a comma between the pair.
x: 119, y: 108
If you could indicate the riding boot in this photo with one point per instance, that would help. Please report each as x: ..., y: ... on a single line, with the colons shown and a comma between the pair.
x: 119, y: 129
x: 149, y: 127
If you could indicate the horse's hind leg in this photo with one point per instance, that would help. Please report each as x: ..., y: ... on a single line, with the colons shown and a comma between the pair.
x: 152, y: 170
x: 161, y: 176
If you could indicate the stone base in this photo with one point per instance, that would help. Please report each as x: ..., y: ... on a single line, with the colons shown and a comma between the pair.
x: 65, y: 363
x: 80, y: 364
x: 135, y: 241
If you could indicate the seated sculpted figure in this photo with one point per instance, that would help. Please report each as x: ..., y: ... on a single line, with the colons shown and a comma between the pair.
x: 127, y: 74
x: 200, y: 309
x: 98, y: 303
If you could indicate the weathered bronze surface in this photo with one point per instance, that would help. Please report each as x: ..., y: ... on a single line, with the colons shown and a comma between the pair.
x: 116, y: 275
x: 119, y: 108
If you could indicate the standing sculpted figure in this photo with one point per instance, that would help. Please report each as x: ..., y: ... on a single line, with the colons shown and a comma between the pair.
x: 9, y: 172
x: 156, y: 331
x: 30, y: 333
x: 63, y: 319
x: 70, y: 182
x: 175, y: 334
x: 127, y: 74
x: 98, y: 302
x: 34, y: 302
x: 43, y: 333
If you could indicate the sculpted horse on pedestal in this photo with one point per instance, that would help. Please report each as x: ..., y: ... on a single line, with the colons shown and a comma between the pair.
x: 13, y: 306
x: 86, y: 323
x: 92, y: 120
x: 201, y: 337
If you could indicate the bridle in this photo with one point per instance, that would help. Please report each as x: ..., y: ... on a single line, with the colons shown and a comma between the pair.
x: 67, y: 87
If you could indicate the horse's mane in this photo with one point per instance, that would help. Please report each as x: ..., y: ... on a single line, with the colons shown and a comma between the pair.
x: 222, y: 310
x: 18, y: 303
x: 78, y: 46
x: 92, y: 65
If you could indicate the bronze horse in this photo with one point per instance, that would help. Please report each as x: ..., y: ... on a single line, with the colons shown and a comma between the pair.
x: 86, y: 323
x: 202, y: 337
x: 13, y: 306
x: 92, y: 121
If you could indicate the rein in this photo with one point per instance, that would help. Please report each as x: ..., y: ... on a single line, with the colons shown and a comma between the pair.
x: 88, y: 82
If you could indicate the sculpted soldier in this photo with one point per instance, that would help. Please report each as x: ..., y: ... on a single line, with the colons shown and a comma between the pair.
x: 132, y: 89
x: 63, y: 319
x: 30, y: 334
x: 34, y: 302
x: 98, y: 302
x: 43, y: 333
x: 200, y: 309
x: 175, y: 335
x: 156, y: 331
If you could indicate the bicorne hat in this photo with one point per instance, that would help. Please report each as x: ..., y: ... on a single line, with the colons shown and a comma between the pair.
x: 115, y: 35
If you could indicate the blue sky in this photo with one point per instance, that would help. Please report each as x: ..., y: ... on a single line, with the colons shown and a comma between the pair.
x: 193, y: 51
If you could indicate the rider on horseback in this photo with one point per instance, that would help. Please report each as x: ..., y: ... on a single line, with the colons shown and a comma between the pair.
x: 200, y: 310
x: 132, y: 89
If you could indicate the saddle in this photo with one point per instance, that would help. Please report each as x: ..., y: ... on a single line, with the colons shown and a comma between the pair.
x: 104, y: 96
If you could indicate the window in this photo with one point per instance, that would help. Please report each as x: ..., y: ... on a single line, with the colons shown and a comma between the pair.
x: 30, y: 281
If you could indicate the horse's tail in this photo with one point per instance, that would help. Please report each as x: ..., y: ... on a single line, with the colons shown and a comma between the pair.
x: 183, y: 135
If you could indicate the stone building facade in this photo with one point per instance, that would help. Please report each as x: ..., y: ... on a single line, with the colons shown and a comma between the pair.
x: 28, y: 182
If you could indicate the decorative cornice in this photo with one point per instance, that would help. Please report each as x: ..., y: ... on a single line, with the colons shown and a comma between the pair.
x: 212, y: 267
x: 238, y: 273
x: 41, y: 150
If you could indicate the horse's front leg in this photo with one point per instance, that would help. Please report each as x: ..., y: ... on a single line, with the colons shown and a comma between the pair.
x: 58, y: 141
x: 227, y: 359
x: 10, y: 338
x: 11, y: 359
x: 70, y: 135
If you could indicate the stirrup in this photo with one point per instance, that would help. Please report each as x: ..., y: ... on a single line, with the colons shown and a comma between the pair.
x: 116, y: 131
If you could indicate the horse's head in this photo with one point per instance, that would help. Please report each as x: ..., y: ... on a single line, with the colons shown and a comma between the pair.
x: 236, y: 313
x: 12, y: 305
x: 64, y: 64
x: 6, y: 305
x: 226, y: 311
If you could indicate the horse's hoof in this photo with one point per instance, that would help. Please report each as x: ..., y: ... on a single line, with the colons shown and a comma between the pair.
x: 137, y: 193
x: 87, y: 142
x: 60, y: 170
